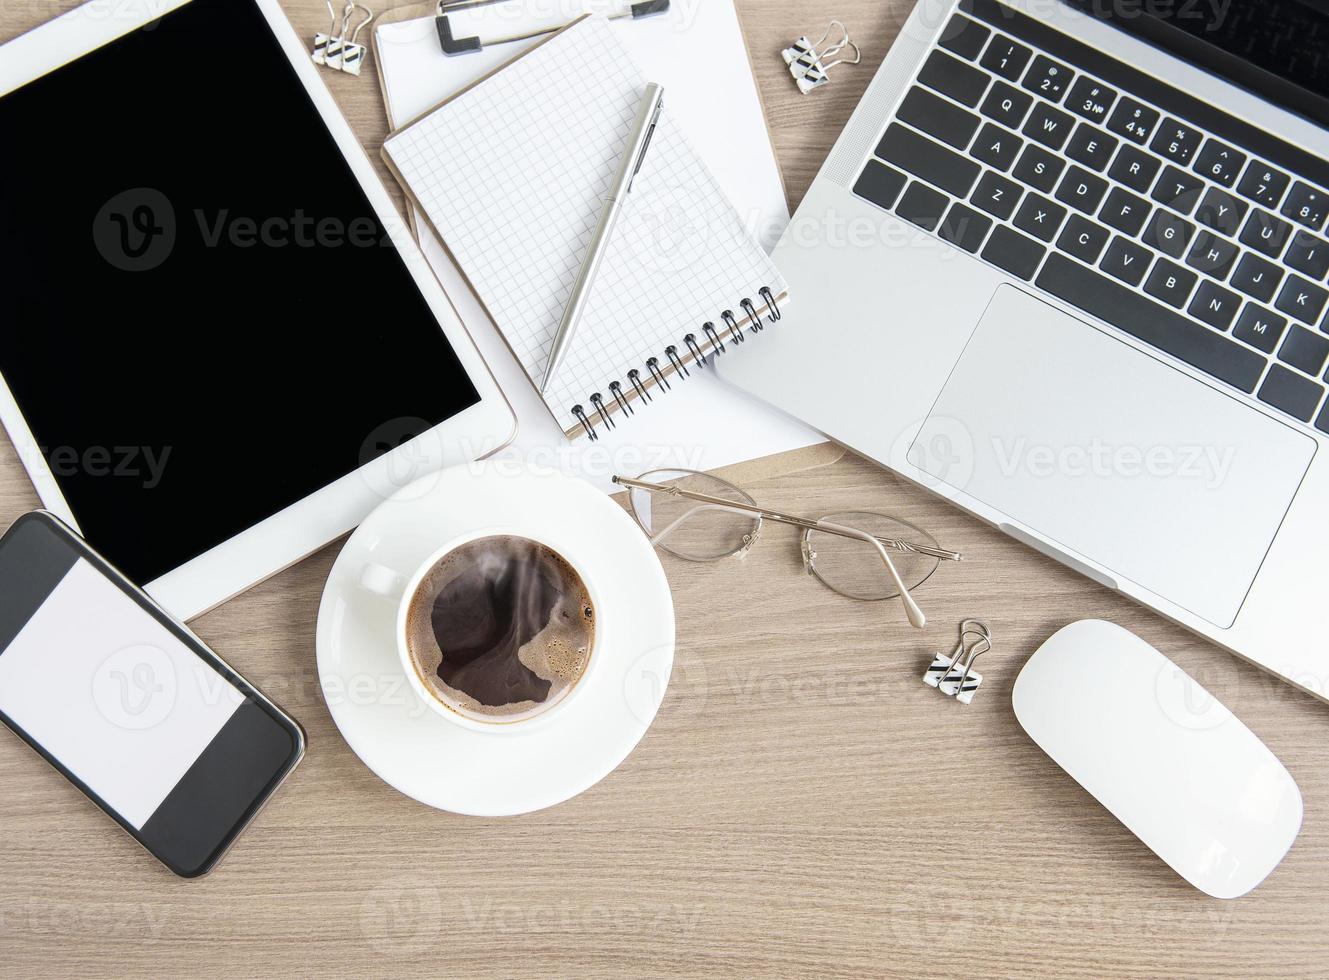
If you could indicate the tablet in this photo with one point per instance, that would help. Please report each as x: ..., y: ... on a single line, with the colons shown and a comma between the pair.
x: 221, y: 347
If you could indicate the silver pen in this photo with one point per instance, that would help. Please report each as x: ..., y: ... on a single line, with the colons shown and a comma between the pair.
x: 633, y: 155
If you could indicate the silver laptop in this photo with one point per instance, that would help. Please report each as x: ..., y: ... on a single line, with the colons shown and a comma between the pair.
x: 1068, y: 270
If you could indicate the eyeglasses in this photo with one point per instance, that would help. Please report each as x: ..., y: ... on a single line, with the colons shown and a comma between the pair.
x: 859, y: 554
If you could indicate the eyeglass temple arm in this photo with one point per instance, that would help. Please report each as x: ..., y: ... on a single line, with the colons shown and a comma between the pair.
x: 911, y: 608
x: 772, y: 515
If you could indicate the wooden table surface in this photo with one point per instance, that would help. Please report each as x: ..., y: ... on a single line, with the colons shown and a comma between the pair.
x: 802, y: 805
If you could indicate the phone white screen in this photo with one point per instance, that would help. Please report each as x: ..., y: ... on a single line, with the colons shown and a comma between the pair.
x: 112, y: 694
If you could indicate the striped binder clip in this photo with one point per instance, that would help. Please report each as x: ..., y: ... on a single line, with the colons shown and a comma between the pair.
x: 809, y: 62
x: 340, y: 48
x: 954, y: 675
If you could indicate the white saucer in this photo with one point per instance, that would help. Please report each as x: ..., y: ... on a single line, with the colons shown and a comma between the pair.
x: 440, y: 763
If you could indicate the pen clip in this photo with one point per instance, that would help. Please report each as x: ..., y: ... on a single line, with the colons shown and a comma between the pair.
x: 646, y: 143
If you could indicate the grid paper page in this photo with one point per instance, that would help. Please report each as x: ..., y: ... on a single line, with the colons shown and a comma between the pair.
x: 513, y: 173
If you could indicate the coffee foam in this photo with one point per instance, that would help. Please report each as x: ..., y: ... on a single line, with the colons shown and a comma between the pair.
x: 501, y: 627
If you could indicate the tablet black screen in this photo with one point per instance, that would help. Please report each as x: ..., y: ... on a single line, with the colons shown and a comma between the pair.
x: 202, y: 320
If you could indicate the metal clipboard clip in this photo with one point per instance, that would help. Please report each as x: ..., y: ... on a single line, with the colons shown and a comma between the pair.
x: 452, y: 43
x: 808, y: 62
x: 337, y: 50
x: 954, y: 676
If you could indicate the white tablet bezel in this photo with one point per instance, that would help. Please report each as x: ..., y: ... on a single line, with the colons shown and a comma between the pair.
x: 307, y: 525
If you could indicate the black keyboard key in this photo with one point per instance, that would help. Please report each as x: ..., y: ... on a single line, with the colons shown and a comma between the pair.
x: 1090, y: 99
x: 1178, y: 190
x: 965, y: 227
x: 1214, y: 305
x: 1212, y: 255
x: 1176, y: 140
x: 1221, y: 211
x: 996, y: 195
x: 922, y: 206
x: 1256, y: 277
x: 1081, y: 189
x: 922, y: 157
x: 935, y: 116
x: 1091, y: 146
x: 1322, y: 423
x: 1301, y: 298
x: 1291, y: 393
x: 1168, y: 233
x: 1263, y: 184
x: 1134, y: 168
x: 1011, y: 251
x: 964, y: 37
x: 1265, y: 233
x: 1219, y: 162
x: 1005, y: 57
x: 1124, y: 211
x: 879, y: 184
x: 1126, y: 260
x: 1083, y: 239
x: 1172, y: 333
x: 1304, y: 350
x: 1006, y: 104
x: 1047, y: 78
x: 951, y: 76
x: 996, y: 147
x: 1048, y: 125
x: 1038, y: 168
x: 1039, y: 216
x: 1170, y: 283
x: 1259, y: 328
x: 1306, y: 205
x: 1309, y: 254
x: 1133, y: 121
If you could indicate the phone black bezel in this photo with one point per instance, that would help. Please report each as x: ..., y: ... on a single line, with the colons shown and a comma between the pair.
x: 63, y: 536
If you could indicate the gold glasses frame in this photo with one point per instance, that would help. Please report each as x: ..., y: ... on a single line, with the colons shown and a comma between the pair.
x: 708, y: 501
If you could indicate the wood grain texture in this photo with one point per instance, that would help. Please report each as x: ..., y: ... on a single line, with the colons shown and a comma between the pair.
x: 803, y: 804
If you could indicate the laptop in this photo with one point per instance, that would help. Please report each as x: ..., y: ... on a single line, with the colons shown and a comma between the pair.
x: 1066, y: 267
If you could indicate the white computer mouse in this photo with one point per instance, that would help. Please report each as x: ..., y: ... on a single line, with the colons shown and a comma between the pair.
x: 1167, y: 759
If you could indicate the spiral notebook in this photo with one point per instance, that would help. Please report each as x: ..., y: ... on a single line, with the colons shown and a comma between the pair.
x: 511, y: 171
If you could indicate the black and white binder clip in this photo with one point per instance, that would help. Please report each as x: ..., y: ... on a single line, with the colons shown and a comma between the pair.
x: 340, y: 48
x: 809, y: 62
x: 954, y: 675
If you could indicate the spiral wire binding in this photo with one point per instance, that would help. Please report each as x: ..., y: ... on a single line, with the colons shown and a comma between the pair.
x: 624, y: 405
x: 735, y: 331
x: 712, y: 336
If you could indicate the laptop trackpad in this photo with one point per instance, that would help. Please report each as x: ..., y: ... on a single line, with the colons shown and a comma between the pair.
x: 1163, y: 480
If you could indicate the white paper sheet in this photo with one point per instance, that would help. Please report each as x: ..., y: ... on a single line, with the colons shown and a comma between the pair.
x: 696, y: 51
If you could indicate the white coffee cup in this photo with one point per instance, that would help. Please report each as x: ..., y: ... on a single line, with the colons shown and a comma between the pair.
x: 402, y: 586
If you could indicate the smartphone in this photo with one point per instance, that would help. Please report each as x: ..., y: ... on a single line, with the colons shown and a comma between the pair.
x: 155, y: 728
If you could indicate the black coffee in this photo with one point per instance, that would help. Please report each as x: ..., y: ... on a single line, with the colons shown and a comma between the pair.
x: 501, y: 627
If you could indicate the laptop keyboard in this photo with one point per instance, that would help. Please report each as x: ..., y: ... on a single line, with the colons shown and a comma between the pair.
x: 1183, y: 226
